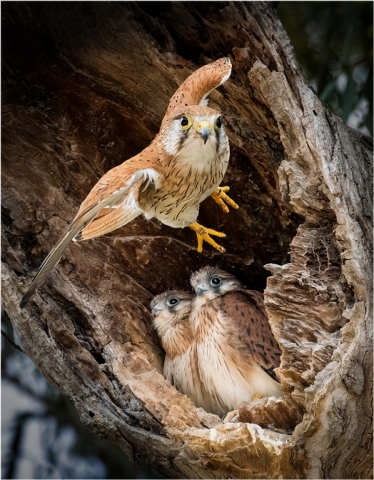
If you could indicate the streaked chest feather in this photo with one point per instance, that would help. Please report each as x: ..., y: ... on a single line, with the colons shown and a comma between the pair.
x: 176, y: 339
x: 182, y: 372
x: 189, y: 178
x: 225, y: 370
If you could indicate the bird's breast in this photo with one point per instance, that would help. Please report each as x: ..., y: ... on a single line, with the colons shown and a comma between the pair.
x: 187, y: 181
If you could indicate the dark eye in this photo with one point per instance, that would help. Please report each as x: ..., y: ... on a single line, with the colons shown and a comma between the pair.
x: 172, y: 301
x: 215, y: 281
x: 219, y: 122
x: 184, y: 121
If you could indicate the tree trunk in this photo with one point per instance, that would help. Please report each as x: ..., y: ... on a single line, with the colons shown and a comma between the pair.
x: 85, y: 86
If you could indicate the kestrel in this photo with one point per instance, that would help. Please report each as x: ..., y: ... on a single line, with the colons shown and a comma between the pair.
x: 235, y: 347
x: 168, y: 180
x: 171, y: 313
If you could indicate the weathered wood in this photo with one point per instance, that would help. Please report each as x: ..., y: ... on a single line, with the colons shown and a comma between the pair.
x: 85, y: 86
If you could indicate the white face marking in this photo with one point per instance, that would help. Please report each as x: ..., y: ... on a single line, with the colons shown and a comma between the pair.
x: 189, y: 146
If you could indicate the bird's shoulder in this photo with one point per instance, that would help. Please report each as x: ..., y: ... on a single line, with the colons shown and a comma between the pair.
x: 244, y: 305
x: 147, y: 161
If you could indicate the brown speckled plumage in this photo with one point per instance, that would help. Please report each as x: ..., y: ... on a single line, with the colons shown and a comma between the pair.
x: 172, y: 323
x: 167, y: 180
x: 235, y: 346
x: 247, y: 310
x: 198, y: 85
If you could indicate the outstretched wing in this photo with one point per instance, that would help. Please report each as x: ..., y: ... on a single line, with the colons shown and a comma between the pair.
x: 247, y: 311
x: 195, y: 89
x: 98, y: 199
x: 109, y: 219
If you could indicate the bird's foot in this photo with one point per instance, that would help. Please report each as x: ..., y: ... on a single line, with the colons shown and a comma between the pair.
x: 204, y: 234
x: 220, y: 197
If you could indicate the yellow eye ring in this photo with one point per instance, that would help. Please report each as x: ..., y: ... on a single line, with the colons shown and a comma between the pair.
x: 185, y: 122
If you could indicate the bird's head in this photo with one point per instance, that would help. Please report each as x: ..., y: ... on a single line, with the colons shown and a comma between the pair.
x: 194, y: 130
x: 210, y: 282
x: 171, y: 307
x: 171, y: 312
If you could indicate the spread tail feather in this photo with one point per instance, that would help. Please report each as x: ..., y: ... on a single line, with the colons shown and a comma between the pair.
x: 195, y: 89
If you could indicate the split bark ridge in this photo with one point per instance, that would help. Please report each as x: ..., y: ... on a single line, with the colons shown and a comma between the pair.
x: 85, y: 86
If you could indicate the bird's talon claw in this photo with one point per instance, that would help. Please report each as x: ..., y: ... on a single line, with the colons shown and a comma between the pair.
x: 220, y: 197
x: 203, y: 233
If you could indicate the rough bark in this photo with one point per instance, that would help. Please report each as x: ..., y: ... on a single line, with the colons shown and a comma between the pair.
x: 85, y: 86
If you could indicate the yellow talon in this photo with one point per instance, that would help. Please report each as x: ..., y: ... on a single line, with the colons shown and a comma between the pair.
x: 220, y: 197
x: 203, y: 234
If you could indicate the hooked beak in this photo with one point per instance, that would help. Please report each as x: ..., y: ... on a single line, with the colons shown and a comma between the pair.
x: 204, y: 130
x: 156, y: 310
x: 200, y: 290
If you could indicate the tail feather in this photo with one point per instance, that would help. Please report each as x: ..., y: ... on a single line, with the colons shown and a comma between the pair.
x: 195, y: 89
x: 89, y: 211
x: 78, y: 224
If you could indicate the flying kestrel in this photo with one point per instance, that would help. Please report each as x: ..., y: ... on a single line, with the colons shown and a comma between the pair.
x: 235, y: 347
x: 168, y: 180
x: 171, y: 313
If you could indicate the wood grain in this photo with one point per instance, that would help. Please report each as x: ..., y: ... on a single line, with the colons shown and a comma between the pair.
x: 85, y: 86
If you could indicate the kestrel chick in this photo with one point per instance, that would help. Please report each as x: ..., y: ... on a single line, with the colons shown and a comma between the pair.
x: 236, y: 349
x: 171, y: 312
x: 168, y: 180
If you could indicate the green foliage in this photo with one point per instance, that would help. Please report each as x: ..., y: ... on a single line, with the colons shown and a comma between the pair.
x: 334, y: 44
